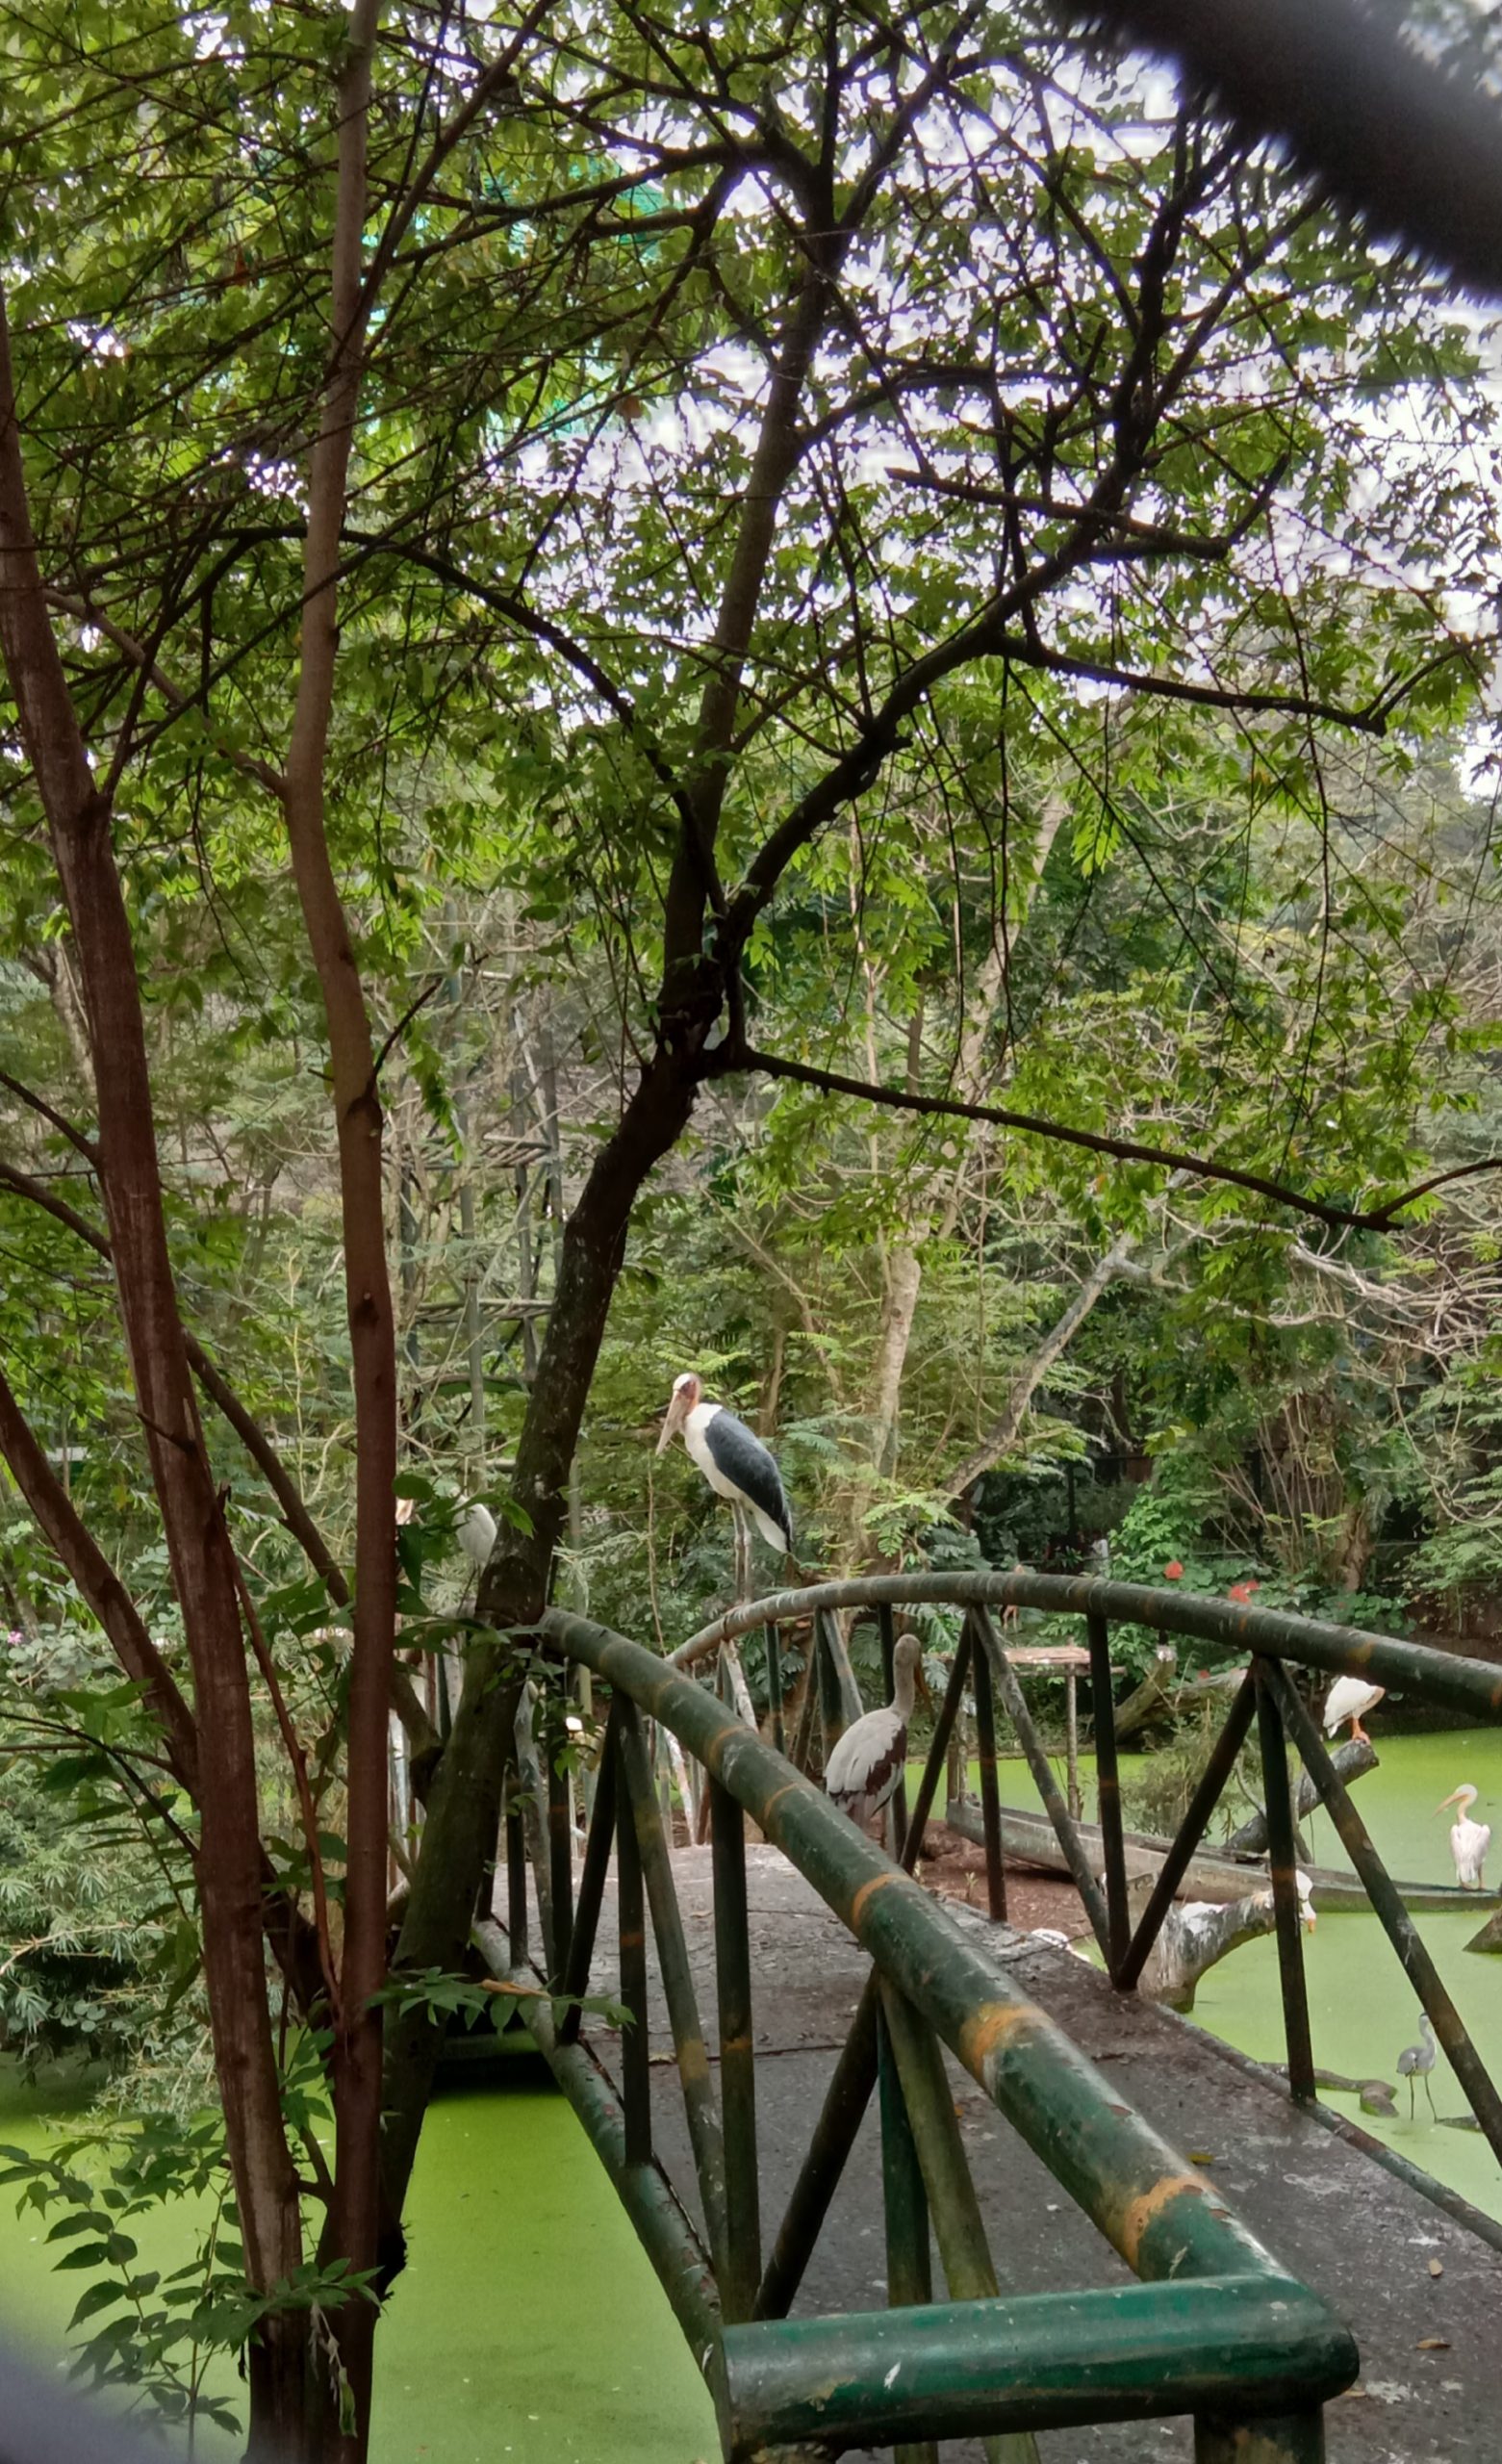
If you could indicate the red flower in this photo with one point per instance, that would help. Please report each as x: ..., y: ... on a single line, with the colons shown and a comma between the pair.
x: 1173, y: 1572
x: 1242, y: 1591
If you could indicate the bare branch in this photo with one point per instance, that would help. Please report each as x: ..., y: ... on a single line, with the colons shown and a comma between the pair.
x: 726, y: 1060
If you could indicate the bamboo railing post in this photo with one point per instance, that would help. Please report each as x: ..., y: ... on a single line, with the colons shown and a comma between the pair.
x: 598, y: 1848
x: 1191, y: 1830
x: 690, y: 2050
x: 1282, y: 1863
x: 742, y: 2272
x: 774, y: 1651
x: 910, y: 2271
x: 839, y: 1695
x: 803, y: 1742
x: 560, y: 1846
x: 886, y: 1628
x: 632, y: 1914
x: 1108, y: 1791
x: 990, y: 1797
x: 849, y: 2092
x: 938, y: 1753
x: 958, y: 2226
x: 1064, y: 1830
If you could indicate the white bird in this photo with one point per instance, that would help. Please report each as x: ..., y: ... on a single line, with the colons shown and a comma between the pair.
x: 1347, y: 1699
x: 1416, y: 2061
x: 476, y: 1534
x: 863, y: 1771
x: 736, y: 1465
x: 1470, y: 1840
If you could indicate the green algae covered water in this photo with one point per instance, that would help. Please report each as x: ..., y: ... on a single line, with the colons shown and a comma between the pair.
x: 1362, y: 2009
x: 528, y: 2325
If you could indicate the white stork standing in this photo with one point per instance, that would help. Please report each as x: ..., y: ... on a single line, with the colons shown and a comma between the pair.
x: 1347, y: 1699
x: 736, y: 1465
x: 863, y: 1771
x: 1470, y: 1840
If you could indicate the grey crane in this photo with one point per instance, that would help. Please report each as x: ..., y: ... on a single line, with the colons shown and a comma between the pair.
x: 1416, y: 2061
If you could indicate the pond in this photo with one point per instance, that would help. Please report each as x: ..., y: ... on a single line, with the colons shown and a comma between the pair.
x: 1362, y: 2009
x: 528, y: 2325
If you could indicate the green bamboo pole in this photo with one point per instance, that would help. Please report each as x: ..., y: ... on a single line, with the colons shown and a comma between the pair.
x: 631, y: 1924
x: 1281, y: 1865
x: 597, y: 1849
x: 910, y: 2271
x: 849, y: 2092
x: 742, y: 2270
x: 1066, y: 1829
x: 690, y: 2050
x: 958, y: 2226
x: 990, y: 1797
x: 886, y: 1627
x: 1473, y: 1687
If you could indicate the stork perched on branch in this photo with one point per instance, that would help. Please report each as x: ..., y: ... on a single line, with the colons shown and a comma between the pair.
x: 1347, y: 1699
x: 736, y: 1465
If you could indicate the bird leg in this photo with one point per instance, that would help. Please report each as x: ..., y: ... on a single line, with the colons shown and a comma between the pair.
x: 1410, y: 2096
x: 742, y: 1553
x: 1358, y: 1736
x: 1429, y: 2092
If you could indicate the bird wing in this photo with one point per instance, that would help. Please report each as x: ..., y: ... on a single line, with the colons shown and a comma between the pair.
x: 866, y: 1761
x: 740, y: 1454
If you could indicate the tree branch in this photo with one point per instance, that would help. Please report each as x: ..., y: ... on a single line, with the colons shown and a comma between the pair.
x: 726, y: 1061
x: 98, y: 1584
x: 405, y: 1700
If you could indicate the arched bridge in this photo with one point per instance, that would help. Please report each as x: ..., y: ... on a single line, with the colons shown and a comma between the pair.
x: 826, y: 2075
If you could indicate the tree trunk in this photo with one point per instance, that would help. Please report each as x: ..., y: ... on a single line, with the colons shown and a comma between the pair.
x: 229, y: 1868
x: 464, y: 1805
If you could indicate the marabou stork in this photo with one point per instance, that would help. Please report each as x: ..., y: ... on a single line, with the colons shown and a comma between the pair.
x: 1347, y: 1699
x: 863, y: 1771
x: 736, y: 1465
x: 1470, y: 1840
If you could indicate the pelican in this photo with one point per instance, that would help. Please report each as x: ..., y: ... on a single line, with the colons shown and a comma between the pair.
x: 862, y: 1772
x: 736, y: 1465
x: 1416, y: 2061
x: 1470, y: 1840
x: 1347, y: 1699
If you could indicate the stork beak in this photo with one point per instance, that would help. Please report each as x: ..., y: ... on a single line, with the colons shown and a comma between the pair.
x: 677, y: 1414
x: 1453, y: 1799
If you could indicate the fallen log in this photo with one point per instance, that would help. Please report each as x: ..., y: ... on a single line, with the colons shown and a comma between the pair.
x: 1351, y: 1762
x: 1196, y: 1936
x: 1147, y: 1702
x: 1028, y: 1839
x: 1163, y: 1695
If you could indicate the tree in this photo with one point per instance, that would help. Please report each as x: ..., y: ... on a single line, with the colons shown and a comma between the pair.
x: 687, y: 478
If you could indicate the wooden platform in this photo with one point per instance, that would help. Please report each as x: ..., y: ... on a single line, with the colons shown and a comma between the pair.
x: 1430, y: 2389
